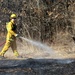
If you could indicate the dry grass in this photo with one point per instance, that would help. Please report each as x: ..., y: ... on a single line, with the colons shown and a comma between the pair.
x: 64, y: 47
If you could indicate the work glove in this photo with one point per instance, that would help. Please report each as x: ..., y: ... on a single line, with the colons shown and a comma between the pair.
x: 16, y: 35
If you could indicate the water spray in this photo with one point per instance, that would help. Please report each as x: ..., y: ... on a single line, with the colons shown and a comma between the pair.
x: 49, y: 51
x: 43, y: 47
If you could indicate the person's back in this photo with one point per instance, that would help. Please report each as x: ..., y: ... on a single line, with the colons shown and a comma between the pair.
x: 11, y: 30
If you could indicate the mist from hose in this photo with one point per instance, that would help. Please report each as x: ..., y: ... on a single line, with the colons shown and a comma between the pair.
x: 43, y: 47
x: 49, y: 51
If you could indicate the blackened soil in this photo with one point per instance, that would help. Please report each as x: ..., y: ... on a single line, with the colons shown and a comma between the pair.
x: 37, y: 67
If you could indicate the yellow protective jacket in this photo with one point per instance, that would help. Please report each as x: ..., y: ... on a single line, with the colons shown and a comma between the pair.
x: 10, y: 32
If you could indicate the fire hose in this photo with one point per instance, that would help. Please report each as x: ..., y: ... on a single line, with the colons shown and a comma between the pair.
x: 5, y: 41
x: 2, y: 43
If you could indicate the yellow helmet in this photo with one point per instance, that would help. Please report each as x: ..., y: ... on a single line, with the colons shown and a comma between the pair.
x: 13, y: 16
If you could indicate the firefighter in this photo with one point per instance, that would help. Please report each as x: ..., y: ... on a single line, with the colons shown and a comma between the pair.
x: 11, y: 37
